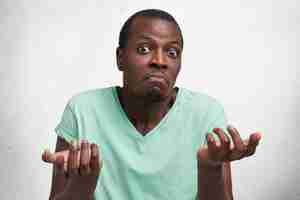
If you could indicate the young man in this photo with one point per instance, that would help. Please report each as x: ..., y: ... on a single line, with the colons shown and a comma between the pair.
x: 156, y: 141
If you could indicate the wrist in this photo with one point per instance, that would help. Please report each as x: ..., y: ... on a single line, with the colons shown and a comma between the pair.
x: 210, y: 182
x: 211, y: 172
x: 62, y: 196
x: 209, y: 165
x: 71, y: 195
x: 205, y: 162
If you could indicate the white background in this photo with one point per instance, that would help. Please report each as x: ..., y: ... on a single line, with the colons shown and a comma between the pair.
x: 244, y: 53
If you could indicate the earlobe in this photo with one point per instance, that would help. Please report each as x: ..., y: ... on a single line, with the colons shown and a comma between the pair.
x: 119, y: 58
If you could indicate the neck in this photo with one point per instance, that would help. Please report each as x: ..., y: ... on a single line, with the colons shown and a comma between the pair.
x: 143, y: 114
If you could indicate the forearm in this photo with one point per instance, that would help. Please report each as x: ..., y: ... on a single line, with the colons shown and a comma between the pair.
x: 71, y: 196
x: 212, y: 185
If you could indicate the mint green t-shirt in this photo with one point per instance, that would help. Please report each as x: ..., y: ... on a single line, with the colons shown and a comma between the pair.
x: 161, y: 165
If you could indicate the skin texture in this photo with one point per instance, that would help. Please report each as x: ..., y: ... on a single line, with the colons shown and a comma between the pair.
x: 150, y: 63
x: 76, y: 169
x: 214, y: 174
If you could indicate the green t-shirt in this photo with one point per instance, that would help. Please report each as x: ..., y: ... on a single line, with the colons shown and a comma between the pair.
x: 161, y: 165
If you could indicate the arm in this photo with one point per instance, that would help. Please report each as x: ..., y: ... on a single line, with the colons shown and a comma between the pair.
x: 58, y: 180
x: 76, y: 169
x: 227, y: 180
x: 214, y: 173
x: 215, y: 183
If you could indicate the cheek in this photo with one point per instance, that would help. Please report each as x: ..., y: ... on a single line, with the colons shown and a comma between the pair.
x: 138, y: 60
x: 135, y: 69
x: 175, y: 71
x: 137, y: 66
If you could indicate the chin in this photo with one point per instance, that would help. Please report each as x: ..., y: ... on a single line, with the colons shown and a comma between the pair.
x: 156, y: 94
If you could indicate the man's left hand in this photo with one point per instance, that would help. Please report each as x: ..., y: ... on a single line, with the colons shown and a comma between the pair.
x: 223, y: 150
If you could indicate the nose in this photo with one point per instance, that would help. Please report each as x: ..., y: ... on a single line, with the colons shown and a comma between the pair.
x: 158, y: 59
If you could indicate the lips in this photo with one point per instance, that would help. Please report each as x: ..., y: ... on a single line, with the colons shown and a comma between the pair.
x: 158, y: 77
x: 157, y: 81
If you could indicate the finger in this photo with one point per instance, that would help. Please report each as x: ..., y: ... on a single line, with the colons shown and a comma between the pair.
x: 252, y: 144
x: 49, y: 157
x: 239, y: 146
x: 59, y: 165
x: 84, y: 158
x: 57, y: 158
x: 211, y: 145
x: 224, y: 139
x: 73, y: 158
x: 95, y: 159
x: 255, y: 138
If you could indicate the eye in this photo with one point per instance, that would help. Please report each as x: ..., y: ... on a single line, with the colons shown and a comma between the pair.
x: 143, y: 50
x: 173, y: 53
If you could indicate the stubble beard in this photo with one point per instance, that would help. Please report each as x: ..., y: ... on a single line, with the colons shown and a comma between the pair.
x: 154, y: 94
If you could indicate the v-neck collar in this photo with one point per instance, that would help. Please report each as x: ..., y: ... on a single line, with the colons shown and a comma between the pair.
x: 129, y: 124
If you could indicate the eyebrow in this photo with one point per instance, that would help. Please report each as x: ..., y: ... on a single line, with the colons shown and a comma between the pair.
x: 145, y: 37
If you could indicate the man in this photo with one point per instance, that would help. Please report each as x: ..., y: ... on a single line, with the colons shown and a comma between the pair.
x: 152, y: 136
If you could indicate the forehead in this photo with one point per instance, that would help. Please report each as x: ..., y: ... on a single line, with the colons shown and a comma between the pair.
x: 154, y: 27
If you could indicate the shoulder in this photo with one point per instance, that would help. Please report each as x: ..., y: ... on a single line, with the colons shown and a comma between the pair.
x: 91, y: 97
x: 199, y: 100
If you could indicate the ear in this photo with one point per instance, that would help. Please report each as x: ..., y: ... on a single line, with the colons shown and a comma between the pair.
x: 119, y: 56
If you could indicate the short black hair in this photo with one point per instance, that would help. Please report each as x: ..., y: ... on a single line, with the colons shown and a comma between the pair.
x: 152, y: 13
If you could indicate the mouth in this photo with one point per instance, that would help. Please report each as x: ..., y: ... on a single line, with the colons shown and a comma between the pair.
x: 157, y: 83
x: 156, y: 77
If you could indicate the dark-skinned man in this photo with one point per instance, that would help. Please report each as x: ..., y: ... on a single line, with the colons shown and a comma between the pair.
x: 148, y: 139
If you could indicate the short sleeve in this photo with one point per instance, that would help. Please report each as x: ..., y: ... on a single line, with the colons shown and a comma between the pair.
x: 68, y: 128
x: 219, y: 120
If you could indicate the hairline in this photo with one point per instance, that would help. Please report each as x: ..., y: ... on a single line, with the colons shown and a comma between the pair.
x: 128, y: 24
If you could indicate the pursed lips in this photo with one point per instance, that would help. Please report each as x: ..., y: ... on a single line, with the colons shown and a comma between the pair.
x: 157, y: 76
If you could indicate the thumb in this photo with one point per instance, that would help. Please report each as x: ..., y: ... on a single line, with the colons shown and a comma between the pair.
x: 49, y: 157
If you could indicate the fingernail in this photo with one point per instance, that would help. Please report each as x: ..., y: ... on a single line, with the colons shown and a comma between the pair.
x: 83, y: 144
x: 258, y: 136
x: 79, y: 145
x: 230, y: 127
x: 84, y: 141
x: 208, y: 138
x: 46, y: 151
x: 76, y: 145
x: 226, y: 139
x: 216, y: 129
x: 73, y: 145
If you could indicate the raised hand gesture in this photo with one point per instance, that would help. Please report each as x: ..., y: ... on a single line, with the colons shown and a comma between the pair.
x: 223, y: 150
x: 81, y: 166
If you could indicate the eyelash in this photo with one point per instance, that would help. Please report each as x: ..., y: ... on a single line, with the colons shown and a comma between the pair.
x: 139, y: 49
x: 173, y: 49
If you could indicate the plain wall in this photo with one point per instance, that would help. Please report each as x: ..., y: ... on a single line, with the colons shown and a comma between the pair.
x: 244, y: 53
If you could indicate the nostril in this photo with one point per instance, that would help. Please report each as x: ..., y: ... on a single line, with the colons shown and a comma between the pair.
x: 160, y: 66
x: 164, y: 66
x: 153, y: 64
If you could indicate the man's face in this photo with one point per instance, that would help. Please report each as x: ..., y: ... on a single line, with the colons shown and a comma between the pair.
x: 151, y: 59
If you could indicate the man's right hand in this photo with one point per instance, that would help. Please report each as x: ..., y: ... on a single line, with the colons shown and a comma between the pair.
x: 81, y: 165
